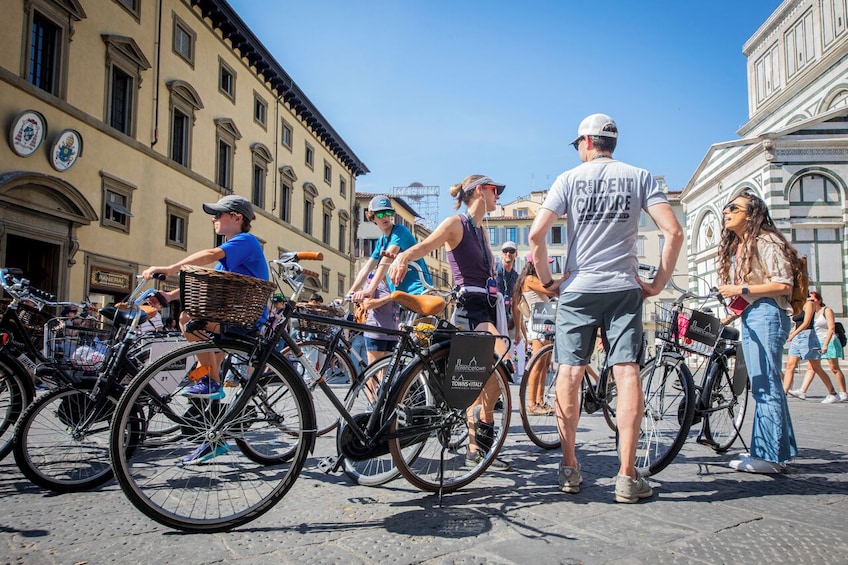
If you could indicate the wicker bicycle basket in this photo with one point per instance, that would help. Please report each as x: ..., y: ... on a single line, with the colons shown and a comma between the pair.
x: 696, y: 332
x: 312, y: 326
x: 33, y: 321
x: 223, y: 297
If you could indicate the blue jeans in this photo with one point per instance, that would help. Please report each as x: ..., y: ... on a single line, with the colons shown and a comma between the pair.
x: 765, y: 328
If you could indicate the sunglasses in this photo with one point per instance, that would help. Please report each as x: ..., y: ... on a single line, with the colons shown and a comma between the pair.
x: 733, y: 208
x: 384, y: 214
x: 576, y: 143
x: 509, y: 250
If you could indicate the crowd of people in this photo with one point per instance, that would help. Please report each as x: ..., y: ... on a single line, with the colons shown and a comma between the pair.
x: 599, y: 299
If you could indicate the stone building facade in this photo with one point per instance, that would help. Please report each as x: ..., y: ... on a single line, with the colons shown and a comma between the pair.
x: 124, y: 116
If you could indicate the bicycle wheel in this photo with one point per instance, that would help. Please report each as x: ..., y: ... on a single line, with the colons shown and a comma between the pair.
x: 16, y: 392
x: 62, y: 439
x: 669, y: 406
x: 360, y: 403
x: 726, y: 411
x: 340, y: 375
x: 540, y: 425
x: 441, y: 462
x: 199, y: 482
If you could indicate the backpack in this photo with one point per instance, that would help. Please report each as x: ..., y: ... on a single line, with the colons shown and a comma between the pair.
x: 839, y: 330
x: 800, y: 285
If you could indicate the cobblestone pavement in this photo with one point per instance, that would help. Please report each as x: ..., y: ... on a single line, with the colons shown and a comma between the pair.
x: 702, y: 512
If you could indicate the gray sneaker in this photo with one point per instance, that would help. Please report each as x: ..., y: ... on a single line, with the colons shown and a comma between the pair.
x: 569, y: 479
x: 629, y: 491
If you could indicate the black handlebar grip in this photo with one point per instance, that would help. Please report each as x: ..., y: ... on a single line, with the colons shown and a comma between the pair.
x: 159, y: 276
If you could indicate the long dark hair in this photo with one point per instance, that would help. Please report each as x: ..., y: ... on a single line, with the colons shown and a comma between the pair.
x: 528, y: 271
x: 759, y: 223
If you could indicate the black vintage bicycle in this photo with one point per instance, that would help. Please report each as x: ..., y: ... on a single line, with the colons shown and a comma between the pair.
x: 24, y: 356
x: 62, y: 438
x: 239, y: 455
x: 538, y: 389
x: 673, y: 402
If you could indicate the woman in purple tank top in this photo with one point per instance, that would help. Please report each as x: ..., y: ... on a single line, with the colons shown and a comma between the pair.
x: 480, y: 305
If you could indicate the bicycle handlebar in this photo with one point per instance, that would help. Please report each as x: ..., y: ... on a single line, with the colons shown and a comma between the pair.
x: 685, y: 294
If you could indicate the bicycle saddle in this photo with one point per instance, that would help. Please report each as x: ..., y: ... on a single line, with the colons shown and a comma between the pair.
x: 419, y: 303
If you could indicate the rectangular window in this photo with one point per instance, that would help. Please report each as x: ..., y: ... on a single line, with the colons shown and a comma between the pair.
x: 767, y: 72
x: 522, y: 212
x: 116, y: 211
x: 176, y: 231
x: 184, y: 39
x: 800, y: 46
x: 342, y: 237
x: 258, y: 198
x: 44, y: 54
x: 557, y: 235
x: 342, y: 186
x: 833, y: 19
x: 130, y: 5
x: 328, y: 173
x: 260, y: 110
x: 310, y: 157
x: 120, y: 114
x: 640, y: 247
x: 226, y: 80
x: 285, y: 203
x: 225, y: 163
x: 493, y: 236
x: 179, y: 138
x: 512, y: 234
x: 342, y: 286
x: 326, y: 228
x: 286, y: 136
x: 325, y: 279
x: 307, y: 216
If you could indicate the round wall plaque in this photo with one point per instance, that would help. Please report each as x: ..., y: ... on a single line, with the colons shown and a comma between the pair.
x: 27, y: 132
x: 66, y: 150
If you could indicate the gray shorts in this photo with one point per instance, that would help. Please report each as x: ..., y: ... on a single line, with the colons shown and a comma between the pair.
x: 580, y: 315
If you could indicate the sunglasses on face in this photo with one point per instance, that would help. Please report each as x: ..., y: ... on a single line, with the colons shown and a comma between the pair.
x: 511, y: 251
x: 733, y: 208
x: 384, y: 214
x: 576, y: 143
x: 492, y: 187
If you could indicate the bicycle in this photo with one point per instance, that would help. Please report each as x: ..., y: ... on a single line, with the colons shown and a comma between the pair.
x: 61, y: 440
x: 375, y: 465
x: 541, y: 428
x: 23, y: 356
x: 673, y: 403
x: 270, y: 419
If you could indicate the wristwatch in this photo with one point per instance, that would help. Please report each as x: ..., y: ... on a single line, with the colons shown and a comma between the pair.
x: 745, y: 289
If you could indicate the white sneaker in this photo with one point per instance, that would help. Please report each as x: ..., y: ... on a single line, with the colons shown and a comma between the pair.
x: 750, y: 464
x: 830, y: 399
x: 843, y: 397
x: 797, y: 393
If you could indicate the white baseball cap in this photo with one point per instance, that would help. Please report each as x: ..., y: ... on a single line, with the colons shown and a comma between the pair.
x: 598, y: 125
x: 509, y: 245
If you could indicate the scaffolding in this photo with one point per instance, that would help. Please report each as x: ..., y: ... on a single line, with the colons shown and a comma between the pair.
x: 425, y: 200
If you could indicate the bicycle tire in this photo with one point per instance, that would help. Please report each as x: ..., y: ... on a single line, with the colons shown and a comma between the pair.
x: 424, y: 470
x: 231, y: 488
x: 341, y: 378
x: 669, y: 407
x: 725, y: 411
x: 540, y: 428
x: 16, y: 393
x: 55, y: 451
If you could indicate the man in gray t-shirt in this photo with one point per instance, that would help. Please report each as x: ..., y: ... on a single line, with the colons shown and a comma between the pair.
x: 603, y: 200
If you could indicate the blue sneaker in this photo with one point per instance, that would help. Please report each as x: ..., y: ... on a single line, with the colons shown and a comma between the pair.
x: 205, y: 388
x: 204, y: 453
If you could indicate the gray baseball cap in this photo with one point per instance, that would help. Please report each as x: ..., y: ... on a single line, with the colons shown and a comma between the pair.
x: 231, y: 203
x: 380, y: 202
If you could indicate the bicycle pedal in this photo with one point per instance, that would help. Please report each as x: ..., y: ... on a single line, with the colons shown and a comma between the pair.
x: 329, y: 464
x: 704, y: 441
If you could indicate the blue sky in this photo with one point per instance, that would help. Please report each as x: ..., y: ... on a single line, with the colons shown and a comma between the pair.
x: 432, y: 91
